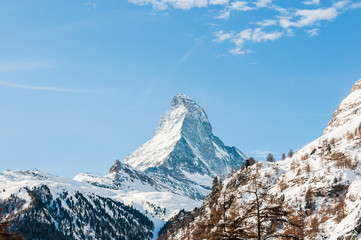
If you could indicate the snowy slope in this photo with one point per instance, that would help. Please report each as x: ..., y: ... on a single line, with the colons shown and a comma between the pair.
x: 322, y: 181
x: 64, y: 202
x: 159, y: 198
x: 62, y: 208
x: 145, y: 193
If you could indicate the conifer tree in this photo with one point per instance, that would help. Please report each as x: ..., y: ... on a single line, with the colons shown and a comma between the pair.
x: 270, y: 158
x: 290, y: 153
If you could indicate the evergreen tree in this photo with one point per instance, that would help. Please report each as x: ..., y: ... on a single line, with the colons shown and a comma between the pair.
x: 290, y: 153
x: 270, y: 158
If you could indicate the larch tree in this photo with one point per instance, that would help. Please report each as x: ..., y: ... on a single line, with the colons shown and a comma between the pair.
x: 5, y: 234
x: 263, y: 216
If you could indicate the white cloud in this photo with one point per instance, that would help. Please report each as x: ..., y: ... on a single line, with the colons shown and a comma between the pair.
x: 309, y: 17
x: 224, y: 15
x: 221, y: 36
x: 262, y: 3
x: 178, y: 4
x: 239, y: 51
x: 234, y: 6
x: 355, y: 5
x: 267, y: 22
x: 341, y: 4
x: 258, y: 35
x: 312, y: 2
x: 281, y: 10
x: 41, y: 88
x: 92, y: 5
x: 28, y: 64
x: 282, y: 20
x: 188, y: 4
x: 290, y: 32
x: 240, y: 6
x: 313, y: 32
x: 218, y: 2
x: 248, y: 35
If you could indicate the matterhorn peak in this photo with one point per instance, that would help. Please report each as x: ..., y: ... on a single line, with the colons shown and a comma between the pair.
x: 182, y: 100
x: 184, y: 145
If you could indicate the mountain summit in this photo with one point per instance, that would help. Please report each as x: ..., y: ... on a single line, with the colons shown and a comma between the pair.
x: 184, y: 145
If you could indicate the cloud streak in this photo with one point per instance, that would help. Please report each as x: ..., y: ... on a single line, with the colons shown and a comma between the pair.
x: 41, y: 88
x: 28, y: 64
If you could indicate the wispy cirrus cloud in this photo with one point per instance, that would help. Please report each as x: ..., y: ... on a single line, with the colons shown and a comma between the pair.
x: 280, y: 22
x: 41, y: 88
x: 27, y: 64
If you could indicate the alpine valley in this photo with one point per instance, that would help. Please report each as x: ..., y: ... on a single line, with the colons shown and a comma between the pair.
x: 184, y: 184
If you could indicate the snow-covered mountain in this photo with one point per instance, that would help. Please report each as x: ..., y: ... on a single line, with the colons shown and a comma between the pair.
x: 315, y: 194
x: 175, y: 169
x: 184, y: 146
x: 182, y: 158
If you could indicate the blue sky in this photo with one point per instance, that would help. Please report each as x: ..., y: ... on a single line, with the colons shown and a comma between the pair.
x: 83, y: 83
